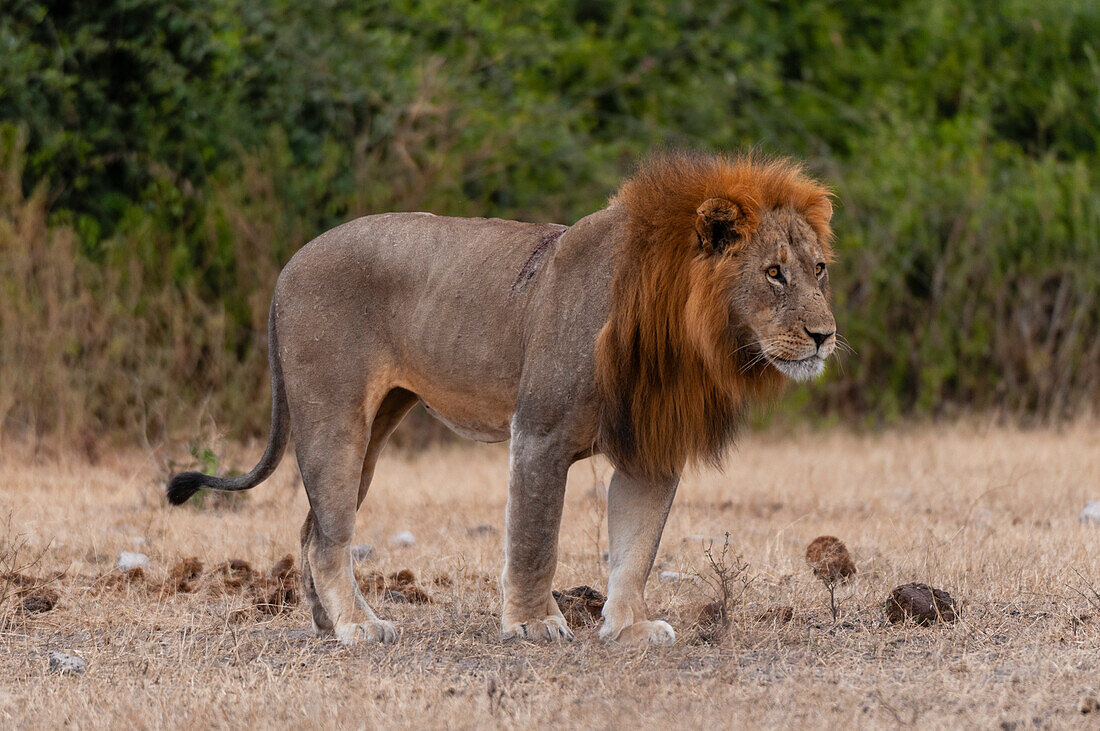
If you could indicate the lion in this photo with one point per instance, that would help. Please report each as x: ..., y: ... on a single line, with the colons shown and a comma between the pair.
x: 642, y: 332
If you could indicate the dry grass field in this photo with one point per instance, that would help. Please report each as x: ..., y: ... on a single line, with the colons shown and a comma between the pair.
x: 986, y: 513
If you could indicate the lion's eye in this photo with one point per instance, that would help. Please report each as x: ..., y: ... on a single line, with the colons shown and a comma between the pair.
x: 819, y: 269
x: 774, y: 273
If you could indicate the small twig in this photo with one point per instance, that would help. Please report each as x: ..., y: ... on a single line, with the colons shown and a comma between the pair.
x: 722, y: 577
x: 1094, y: 600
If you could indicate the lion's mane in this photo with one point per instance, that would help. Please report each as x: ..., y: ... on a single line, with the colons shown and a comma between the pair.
x: 671, y: 381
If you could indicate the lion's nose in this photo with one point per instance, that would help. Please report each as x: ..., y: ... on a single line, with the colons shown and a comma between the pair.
x: 819, y: 337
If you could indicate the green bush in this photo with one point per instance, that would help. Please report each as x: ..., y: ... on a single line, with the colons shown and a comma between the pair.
x: 161, y: 161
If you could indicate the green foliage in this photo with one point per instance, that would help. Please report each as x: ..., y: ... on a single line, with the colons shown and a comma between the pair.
x: 209, y: 463
x: 176, y: 154
x: 206, y: 457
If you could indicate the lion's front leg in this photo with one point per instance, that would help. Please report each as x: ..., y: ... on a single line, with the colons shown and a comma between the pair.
x: 636, y: 513
x: 536, y: 493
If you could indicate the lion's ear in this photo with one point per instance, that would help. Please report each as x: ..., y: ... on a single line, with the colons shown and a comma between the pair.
x: 719, y: 224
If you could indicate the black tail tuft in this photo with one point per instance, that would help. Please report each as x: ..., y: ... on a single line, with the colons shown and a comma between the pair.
x: 182, y: 486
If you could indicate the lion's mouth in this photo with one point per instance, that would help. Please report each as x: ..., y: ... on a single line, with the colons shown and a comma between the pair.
x: 804, y: 369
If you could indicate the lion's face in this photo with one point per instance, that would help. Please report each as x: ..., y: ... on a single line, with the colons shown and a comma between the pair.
x: 782, y: 296
x: 778, y: 285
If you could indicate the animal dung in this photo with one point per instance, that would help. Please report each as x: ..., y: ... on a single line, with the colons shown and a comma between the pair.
x: 33, y: 595
x: 829, y: 559
x: 582, y: 606
x: 776, y: 615
x: 120, y: 580
x: 920, y: 603
x: 282, y: 567
x: 711, y: 613
x: 278, y: 592
x: 39, y: 600
x: 401, y: 583
x: 184, y: 574
x: 236, y: 574
x: 404, y: 576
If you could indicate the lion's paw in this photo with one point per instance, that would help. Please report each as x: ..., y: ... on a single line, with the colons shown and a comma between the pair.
x: 375, y: 630
x: 547, y: 629
x: 651, y: 632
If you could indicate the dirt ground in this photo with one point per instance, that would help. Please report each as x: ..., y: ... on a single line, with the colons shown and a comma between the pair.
x: 988, y: 514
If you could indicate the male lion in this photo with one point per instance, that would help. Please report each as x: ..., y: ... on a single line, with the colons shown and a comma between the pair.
x: 641, y: 332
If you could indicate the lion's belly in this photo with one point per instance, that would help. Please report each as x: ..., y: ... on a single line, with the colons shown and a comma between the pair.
x: 483, y: 420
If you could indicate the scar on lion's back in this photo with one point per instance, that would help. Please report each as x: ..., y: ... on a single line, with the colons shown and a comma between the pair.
x: 531, y: 266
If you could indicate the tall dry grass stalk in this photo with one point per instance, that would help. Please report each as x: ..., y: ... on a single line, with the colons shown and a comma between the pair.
x: 92, y: 345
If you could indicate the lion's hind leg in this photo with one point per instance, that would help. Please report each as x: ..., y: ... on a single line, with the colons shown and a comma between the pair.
x: 386, y: 418
x: 332, y: 445
x: 322, y: 624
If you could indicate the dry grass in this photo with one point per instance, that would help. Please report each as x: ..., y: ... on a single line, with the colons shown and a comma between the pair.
x: 988, y: 514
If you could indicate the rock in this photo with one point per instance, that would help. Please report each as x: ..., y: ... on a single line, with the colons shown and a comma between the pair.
x: 395, y: 596
x: 362, y: 552
x: 1091, y: 513
x: 830, y: 560
x: 581, y: 606
x: 481, y: 530
x: 64, y: 664
x: 674, y: 576
x: 128, y: 560
x: 402, y: 539
x: 921, y: 604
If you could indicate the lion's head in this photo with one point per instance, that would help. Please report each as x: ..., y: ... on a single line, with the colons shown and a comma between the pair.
x: 721, y: 291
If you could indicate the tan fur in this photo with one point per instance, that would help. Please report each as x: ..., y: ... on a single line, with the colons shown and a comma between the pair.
x: 671, y: 383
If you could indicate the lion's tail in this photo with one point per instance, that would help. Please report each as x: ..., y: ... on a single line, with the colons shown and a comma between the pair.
x: 185, y: 484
